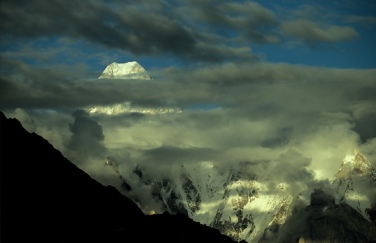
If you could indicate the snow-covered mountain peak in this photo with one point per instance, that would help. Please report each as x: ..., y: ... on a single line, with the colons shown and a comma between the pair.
x: 348, y: 159
x: 355, y: 162
x: 354, y: 180
x: 249, y: 204
x: 128, y: 70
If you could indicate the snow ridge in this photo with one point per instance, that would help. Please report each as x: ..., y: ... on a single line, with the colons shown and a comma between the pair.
x: 355, y: 182
x: 249, y: 206
x: 128, y: 70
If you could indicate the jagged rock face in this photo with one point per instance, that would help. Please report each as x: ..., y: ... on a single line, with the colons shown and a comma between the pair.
x: 355, y: 182
x: 234, y: 201
x: 355, y: 164
x: 128, y: 70
x: 326, y: 221
x: 240, y: 204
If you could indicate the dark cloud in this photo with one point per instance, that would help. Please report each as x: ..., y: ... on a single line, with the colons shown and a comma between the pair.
x: 259, y: 91
x: 292, y: 167
x: 155, y: 32
x: 248, y: 20
x: 310, y: 32
x: 200, y: 31
x: 87, y: 136
x: 169, y: 155
x: 365, y: 127
x: 368, y: 21
x: 37, y: 18
x: 32, y: 88
x: 59, y: 87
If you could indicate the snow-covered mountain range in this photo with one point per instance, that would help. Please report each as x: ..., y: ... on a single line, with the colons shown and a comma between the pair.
x: 245, y: 205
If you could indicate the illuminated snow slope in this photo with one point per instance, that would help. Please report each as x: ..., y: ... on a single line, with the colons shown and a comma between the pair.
x: 355, y: 182
x: 237, y: 202
x: 126, y: 107
x: 247, y: 205
x: 128, y: 70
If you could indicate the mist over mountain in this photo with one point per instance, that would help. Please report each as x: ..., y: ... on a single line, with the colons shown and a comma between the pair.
x: 46, y: 198
x: 252, y: 205
x: 57, y: 201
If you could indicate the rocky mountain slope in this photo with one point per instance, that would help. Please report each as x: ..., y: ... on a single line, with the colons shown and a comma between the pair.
x: 242, y: 204
x: 325, y: 221
x: 45, y: 198
x: 355, y: 182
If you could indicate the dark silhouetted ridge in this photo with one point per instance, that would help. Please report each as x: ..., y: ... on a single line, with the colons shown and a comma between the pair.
x: 46, y: 198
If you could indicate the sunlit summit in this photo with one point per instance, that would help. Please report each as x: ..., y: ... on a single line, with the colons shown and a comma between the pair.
x: 128, y: 70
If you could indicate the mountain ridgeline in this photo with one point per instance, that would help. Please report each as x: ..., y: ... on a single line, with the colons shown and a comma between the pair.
x: 242, y: 207
x: 46, y: 198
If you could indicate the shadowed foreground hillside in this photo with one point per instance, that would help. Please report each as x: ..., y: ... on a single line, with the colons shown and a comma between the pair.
x: 45, y: 198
